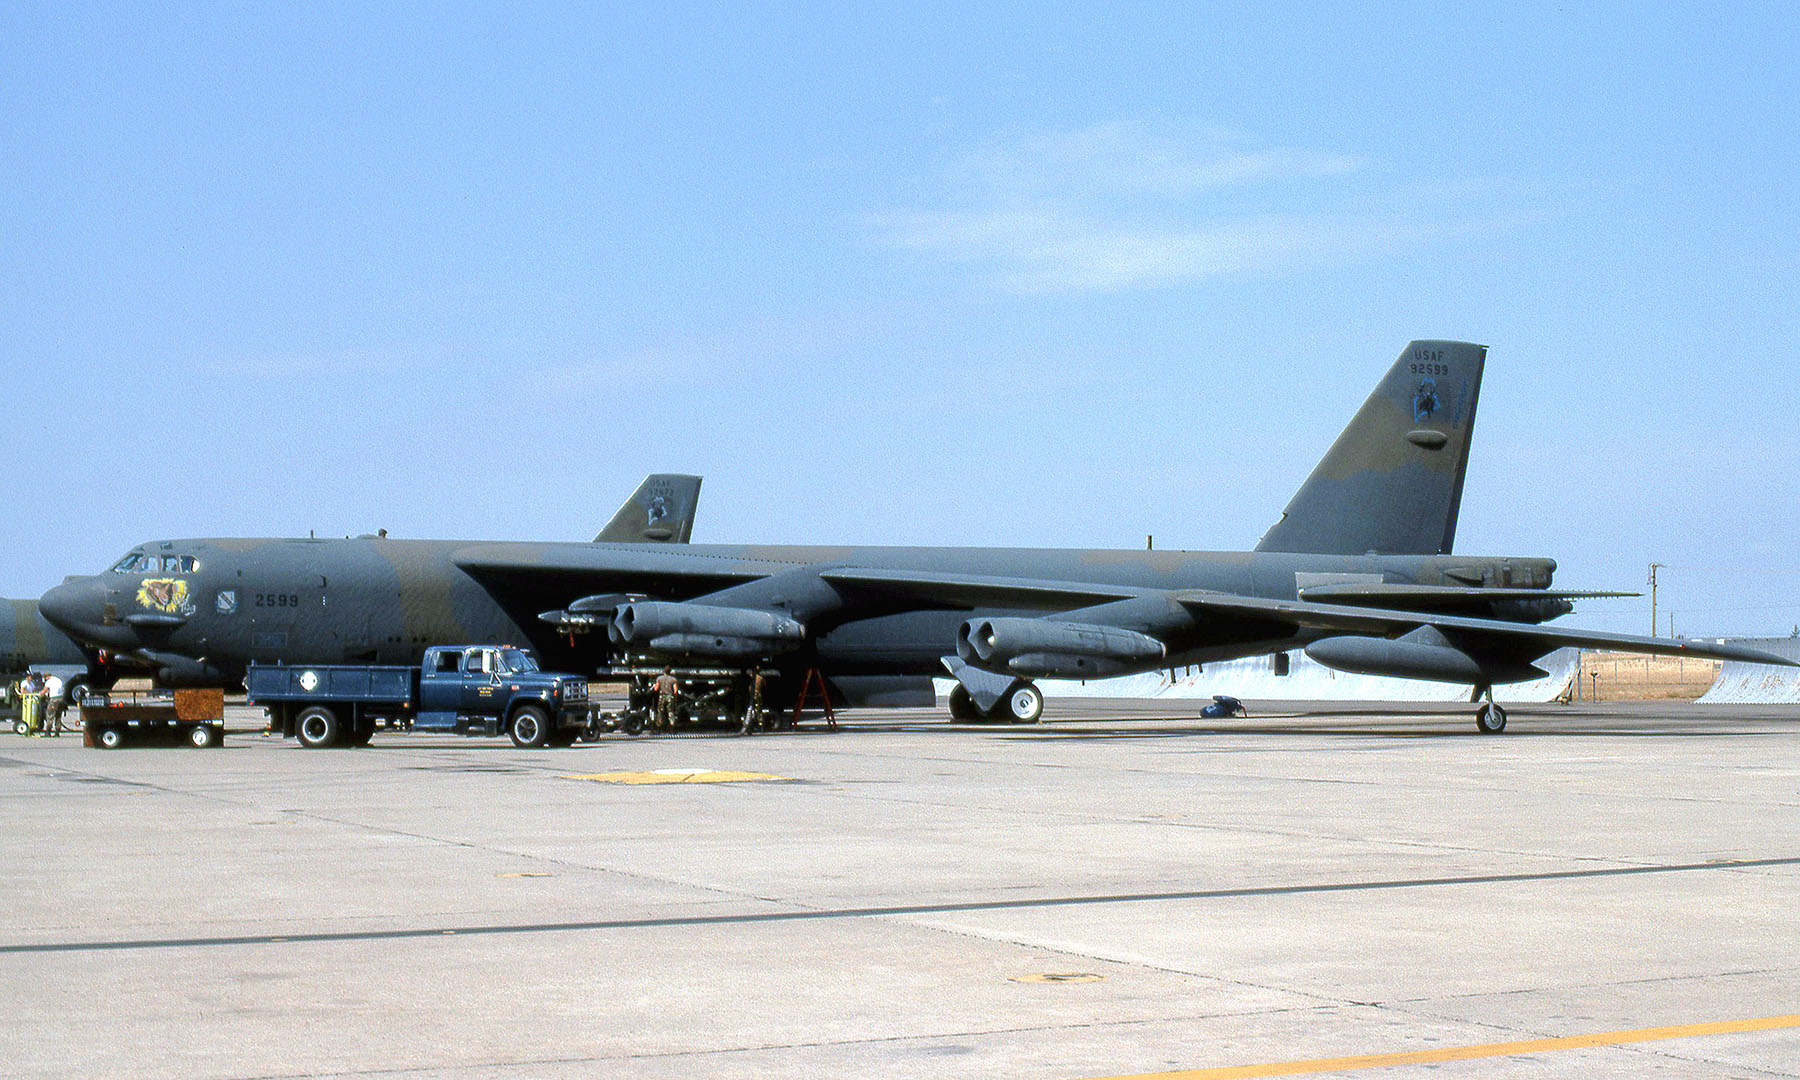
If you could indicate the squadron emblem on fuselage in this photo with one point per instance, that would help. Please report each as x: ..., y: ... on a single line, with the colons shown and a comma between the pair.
x: 167, y: 595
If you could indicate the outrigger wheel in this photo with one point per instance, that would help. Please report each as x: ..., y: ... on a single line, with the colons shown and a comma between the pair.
x: 1490, y: 718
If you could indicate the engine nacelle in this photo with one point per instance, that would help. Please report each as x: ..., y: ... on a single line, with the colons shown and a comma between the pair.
x: 700, y: 630
x: 1423, y: 654
x: 1045, y: 647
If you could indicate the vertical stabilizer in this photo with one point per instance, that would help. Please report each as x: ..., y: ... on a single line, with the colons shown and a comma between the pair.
x: 661, y: 510
x: 1392, y: 483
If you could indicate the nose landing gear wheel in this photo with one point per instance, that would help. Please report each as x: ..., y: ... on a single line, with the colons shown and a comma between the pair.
x: 1490, y: 719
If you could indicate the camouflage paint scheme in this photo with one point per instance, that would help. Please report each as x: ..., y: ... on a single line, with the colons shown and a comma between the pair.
x: 1361, y: 552
x: 28, y: 640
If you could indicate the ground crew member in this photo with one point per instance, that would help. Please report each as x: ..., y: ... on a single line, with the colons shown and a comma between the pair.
x: 662, y: 718
x: 31, y: 703
x: 753, y: 716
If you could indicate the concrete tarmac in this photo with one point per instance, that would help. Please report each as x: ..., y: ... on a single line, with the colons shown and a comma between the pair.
x: 1119, y: 890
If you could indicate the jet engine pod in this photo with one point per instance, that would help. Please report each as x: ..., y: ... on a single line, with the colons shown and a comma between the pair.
x: 1422, y: 654
x: 689, y: 628
x: 1009, y: 642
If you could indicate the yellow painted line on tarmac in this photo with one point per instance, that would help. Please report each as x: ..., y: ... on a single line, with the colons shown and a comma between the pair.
x: 676, y: 776
x: 1467, y: 1053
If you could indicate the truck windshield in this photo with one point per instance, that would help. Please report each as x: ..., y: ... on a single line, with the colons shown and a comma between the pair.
x: 517, y: 661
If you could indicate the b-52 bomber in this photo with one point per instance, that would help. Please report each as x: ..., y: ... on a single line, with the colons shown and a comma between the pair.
x: 1358, y: 571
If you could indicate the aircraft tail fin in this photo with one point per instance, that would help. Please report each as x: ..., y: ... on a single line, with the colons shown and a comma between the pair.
x: 1392, y: 483
x: 661, y: 510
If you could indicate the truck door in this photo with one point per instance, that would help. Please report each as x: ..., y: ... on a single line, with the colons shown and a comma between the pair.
x: 441, y: 681
x: 482, y: 693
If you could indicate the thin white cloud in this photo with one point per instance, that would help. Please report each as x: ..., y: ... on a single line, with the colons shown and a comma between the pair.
x: 1056, y: 250
x: 1118, y: 207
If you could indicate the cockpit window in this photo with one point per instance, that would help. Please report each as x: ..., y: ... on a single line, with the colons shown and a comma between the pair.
x: 139, y: 562
x: 517, y: 661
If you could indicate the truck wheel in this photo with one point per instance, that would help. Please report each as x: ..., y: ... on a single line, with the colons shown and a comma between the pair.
x: 317, y: 728
x: 530, y: 727
x: 202, y: 736
x: 110, y: 738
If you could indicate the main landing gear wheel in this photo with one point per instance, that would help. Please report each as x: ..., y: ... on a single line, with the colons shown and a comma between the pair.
x: 1024, y: 704
x: 318, y: 728
x: 530, y: 728
x: 962, y: 706
x: 1490, y: 719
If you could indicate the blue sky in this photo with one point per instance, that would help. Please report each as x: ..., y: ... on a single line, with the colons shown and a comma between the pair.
x: 1063, y: 276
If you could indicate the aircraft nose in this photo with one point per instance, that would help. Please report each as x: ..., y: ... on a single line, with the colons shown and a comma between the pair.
x: 78, y: 608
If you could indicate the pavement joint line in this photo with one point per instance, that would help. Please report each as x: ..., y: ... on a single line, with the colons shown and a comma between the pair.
x: 815, y: 914
x: 1470, y: 1053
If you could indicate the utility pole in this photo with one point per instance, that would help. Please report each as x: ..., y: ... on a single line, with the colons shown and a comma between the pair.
x: 1654, y: 567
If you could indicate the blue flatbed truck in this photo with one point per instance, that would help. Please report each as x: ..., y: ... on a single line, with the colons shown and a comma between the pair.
x: 458, y: 689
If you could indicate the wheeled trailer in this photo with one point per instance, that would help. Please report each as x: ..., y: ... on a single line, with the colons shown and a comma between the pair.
x: 114, y: 718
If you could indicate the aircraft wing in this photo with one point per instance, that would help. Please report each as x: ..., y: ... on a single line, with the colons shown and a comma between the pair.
x: 530, y: 578
x: 1495, y: 634
x: 1432, y: 597
x: 1403, y: 608
x: 976, y: 590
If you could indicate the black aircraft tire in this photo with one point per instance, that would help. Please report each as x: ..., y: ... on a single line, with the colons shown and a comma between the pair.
x: 962, y: 706
x: 109, y: 738
x: 202, y: 736
x: 529, y: 727
x: 317, y: 728
x: 1490, y: 719
x: 1023, y: 704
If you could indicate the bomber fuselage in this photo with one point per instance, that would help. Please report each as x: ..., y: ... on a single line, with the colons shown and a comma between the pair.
x: 199, y: 611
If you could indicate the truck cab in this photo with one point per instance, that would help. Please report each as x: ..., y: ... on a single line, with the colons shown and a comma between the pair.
x: 484, y: 689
